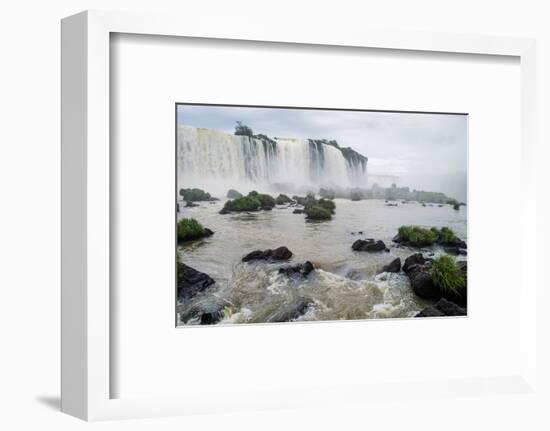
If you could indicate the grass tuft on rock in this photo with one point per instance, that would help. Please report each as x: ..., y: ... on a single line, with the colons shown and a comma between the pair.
x: 446, y: 235
x: 446, y: 275
x: 189, y: 229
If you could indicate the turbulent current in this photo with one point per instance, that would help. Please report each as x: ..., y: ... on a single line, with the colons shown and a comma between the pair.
x: 212, y: 160
x: 346, y: 284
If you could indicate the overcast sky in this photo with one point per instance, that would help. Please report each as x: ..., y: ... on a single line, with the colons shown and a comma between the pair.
x: 425, y: 151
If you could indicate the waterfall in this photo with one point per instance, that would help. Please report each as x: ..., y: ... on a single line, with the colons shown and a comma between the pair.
x: 216, y: 161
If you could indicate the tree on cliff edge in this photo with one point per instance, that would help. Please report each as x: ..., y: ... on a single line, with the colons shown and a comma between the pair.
x: 242, y: 130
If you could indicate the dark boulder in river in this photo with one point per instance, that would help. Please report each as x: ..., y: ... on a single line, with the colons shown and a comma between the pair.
x: 369, y: 245
x: 191, y: 282
x: 224, y: 211
x: 418, y: 270
x: 298, y: 211
x: 412, y: 261
x: 442, y: 308
x: 298, y: 270
x: 281, y: 253
x: 422, y: 283
x: 211, y: 314
x: 393, y: 266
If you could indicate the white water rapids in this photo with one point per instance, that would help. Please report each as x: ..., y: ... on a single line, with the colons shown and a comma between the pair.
x: 216, y: 161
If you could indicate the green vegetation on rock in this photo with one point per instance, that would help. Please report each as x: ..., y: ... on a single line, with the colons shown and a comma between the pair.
x: 246, y: 203
x: 327, y: 204
x: 234, y: 194
x: 417, y: 236
x: 321, y: 209
x: 316, y: 212
x: 190, y: 229
x: 446, y: 275
x: 445, y: 235
x: 282, y: 199
x: 265, y: 200
x: 194, y: 195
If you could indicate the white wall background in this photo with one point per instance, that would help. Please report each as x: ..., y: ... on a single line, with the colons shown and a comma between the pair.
x: 30, y: 183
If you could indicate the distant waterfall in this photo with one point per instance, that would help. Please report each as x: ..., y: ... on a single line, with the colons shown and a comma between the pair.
x: 216, y: 161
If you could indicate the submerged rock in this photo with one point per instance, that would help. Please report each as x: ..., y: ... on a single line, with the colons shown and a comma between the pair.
x: 455, y: 251
x: 266, y: 208
x: 190, y: 204
x: 281, y: 253
x: 298, y: 211
x: 393, y: 266
x: 369, y: 245
x: 290, y: 311
x: 302, y: 270
x: 191, y: 282
x: 442, y: 307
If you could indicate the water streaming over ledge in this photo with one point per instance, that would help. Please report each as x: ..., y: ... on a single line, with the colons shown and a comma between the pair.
x: 214, y: 160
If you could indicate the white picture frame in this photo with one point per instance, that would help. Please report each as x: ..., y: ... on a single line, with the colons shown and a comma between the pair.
x: 86, y: 312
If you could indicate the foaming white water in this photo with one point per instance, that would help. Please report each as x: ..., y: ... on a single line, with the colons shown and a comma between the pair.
x: 215, y: 161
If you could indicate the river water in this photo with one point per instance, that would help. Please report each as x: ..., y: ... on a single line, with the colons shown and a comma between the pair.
x: 346, y: 284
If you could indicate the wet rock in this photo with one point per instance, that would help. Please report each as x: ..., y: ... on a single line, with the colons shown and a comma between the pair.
x: 422, y: 283
x: 191, y: 282
x: 455, y: 251
x: 267, y: 208
x: 442, y: 307
x: 211, y: 314
x: 369, y: 245
x: 393, y: 266
x: 290, y: 311
x: 224, y: 211
x: 397, y: 238
x: 298, y: 211
x: 413, y: 260
x: 281, y: 253
x: 190, y: 204
x: 430, y: 311
x: 298, y: 270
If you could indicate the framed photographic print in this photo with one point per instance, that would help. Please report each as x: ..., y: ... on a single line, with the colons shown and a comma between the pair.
x: 278, y: 206
x: 327, y: 210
